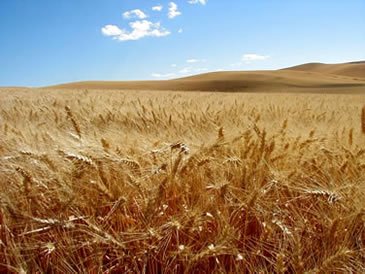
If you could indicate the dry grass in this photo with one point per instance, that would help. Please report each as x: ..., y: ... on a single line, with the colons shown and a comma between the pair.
x: 168, y: 182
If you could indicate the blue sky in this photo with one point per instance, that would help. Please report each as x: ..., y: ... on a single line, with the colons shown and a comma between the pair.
x: 46, y: 42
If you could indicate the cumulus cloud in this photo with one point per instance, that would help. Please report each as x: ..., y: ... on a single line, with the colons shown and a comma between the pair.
x: 254, y: 57
x: 203, y: 2
x: 157, y: 8
x: 137, y: 13
x: 173, y: 10
x: 111, y: 30
x: 138, y: 29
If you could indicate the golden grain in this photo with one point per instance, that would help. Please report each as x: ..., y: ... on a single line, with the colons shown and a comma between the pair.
x: 247, y: 187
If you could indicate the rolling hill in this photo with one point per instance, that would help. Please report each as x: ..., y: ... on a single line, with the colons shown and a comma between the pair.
x: 353, y: 69
x: 313, y: 77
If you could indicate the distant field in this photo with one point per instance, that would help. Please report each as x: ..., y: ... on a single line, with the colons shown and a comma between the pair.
x: 196, y: 182
x: 320, y: 78
x: 352, y: 69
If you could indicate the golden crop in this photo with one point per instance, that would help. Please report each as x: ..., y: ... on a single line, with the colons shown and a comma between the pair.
x: 173, y: 182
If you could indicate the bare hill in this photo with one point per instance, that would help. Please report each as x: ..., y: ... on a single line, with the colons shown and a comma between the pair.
x: 352, y: 69
x: 304, y: 78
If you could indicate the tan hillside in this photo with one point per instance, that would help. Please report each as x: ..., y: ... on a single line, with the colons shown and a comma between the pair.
x: 304, y: 78
x: 353, y: 69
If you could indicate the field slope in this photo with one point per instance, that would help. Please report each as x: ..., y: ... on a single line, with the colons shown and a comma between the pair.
x: 315, y: 78
x: 353, y: 69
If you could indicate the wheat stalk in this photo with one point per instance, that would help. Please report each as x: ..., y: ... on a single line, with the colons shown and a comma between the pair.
x: 73, y: 121
x: 27, y: 179
x: 363, y: 120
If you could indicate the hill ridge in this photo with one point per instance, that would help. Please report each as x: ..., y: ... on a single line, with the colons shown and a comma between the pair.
x: 317, y: 77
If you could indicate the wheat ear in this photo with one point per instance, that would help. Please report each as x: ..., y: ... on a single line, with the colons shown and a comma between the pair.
x: 363, y: 119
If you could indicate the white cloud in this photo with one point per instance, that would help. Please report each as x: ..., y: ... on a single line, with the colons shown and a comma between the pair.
x: 192, y: 61
x: 201, y: 69
x: 137, y: 13
x: 163, y: 75
x: 111, y: 30
x: 180, y: 30
x: 203, y: 2
x: 249, y: 58
x: 139, y: 29
x: 185, y: 70
x: 236, y: 65
x: 254, y: 57
x: 190, y: 70
x: 173, y: 10
x: 157, y: 8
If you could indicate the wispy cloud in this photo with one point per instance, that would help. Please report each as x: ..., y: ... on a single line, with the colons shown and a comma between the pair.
x: 137, y: 13
x: 180, y: 30
x: 180, y: 72
x: 200, y: 69
x: 138, y: 30
x: 192, y: 61
x: 192, y: 70
x: 185, y: 70
x: 202, y: 2
x: 157, y: 8
x: 254, y: 57
x: 173, y: 10
x: 163, y: 75
x: 249, y: 58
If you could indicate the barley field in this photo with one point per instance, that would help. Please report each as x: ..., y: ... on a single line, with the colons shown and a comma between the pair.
x: 95, y: 181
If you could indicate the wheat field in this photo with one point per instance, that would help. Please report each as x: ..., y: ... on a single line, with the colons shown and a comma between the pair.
x: 95, y: 181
